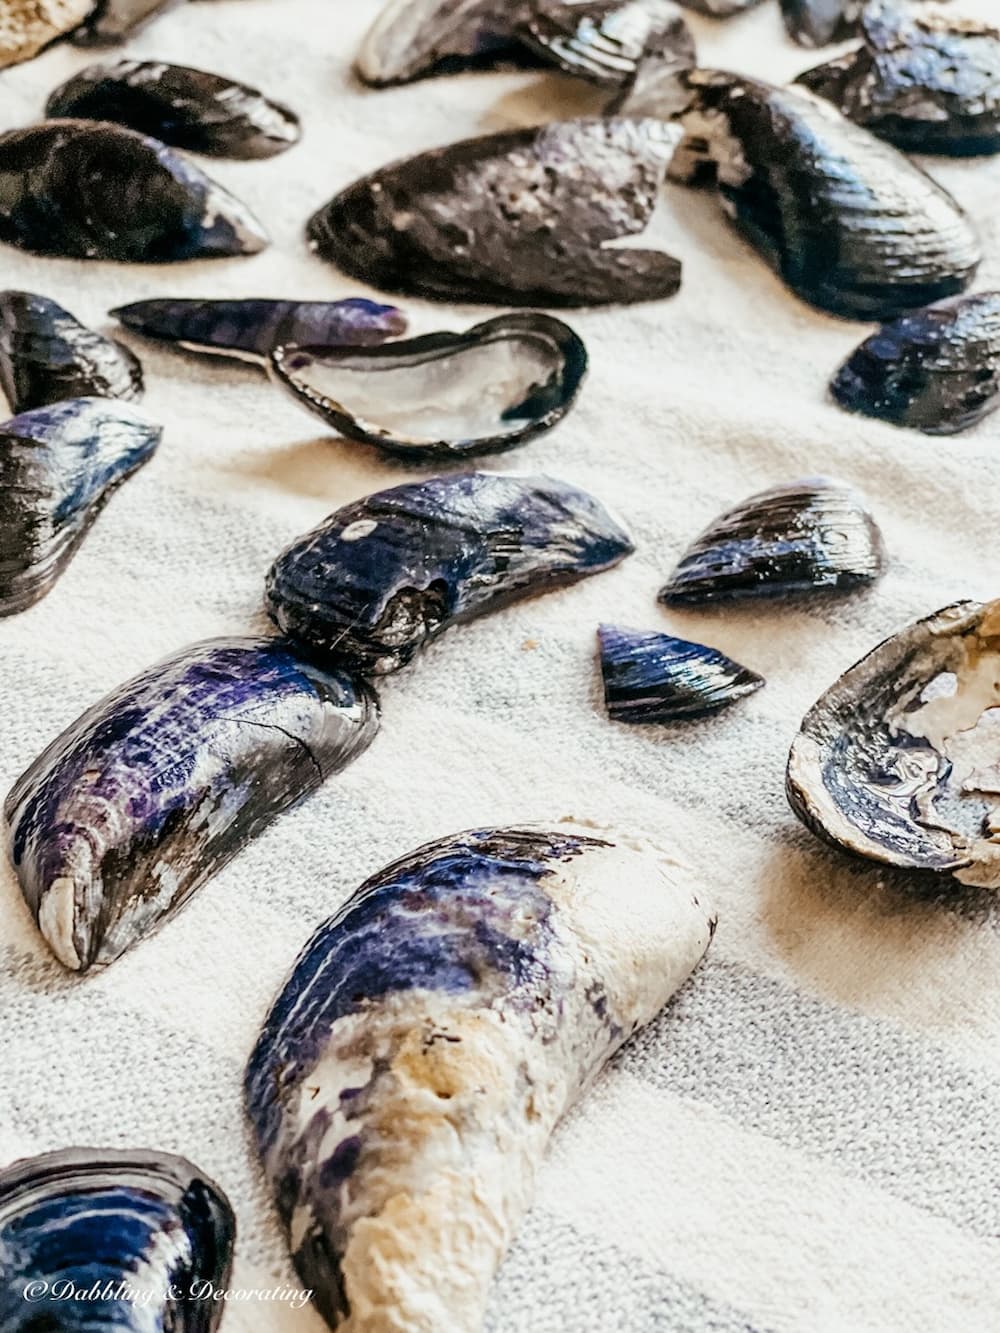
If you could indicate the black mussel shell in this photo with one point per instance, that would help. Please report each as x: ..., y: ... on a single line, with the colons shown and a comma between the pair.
x: 819, y: 22
x: 160, y: 784
x: 115, y: 21
x: 650, y: 677
x: 604, y: 41
x: 47, y: 356
x: 937, y: 370
x: 250, y: 329
x: 446, y: 394
x: 925, y: 80
x: 89, y: 190
x: 520, y: 218
x: 95, y: 1239
x: 847, y: 221
x: 188, y: 108
x: 411, y: 39
x: 383, y: 576
x: 899, y: 761
x: 808, y: 537
x: 719, y: 9
x: 59, y: 465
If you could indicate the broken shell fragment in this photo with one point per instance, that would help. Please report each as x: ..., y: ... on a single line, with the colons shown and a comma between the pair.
x: 936, y: 370
x: 525, y: 218
x: 847, y: 221
x: 491, y: 388
x: 820, y: 22
x: 899, y: 761
x: 409, y: 1075
x: 384, y: 575
x: 811, y: 536
x: 651, y: 677
x: 47, y: 356
x: 604, y: 41
x: 115, y: 21
x: 133, y: 1234
x: 188, y: 108
x: 59, y: 466
x: 925, y: 80
x: 89, y: 190
x: 159, y: 785
x: 250, y: 329
x: 28, y: 26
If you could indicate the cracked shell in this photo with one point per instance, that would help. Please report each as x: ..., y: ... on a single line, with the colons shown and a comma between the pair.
x: 899, y: 761
x: 519, y: 218
x: 384, y: 575
x: 159, y: 785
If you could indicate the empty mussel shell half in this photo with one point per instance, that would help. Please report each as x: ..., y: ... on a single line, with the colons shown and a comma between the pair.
x: 384, y: 575
x: 408, y: 1078
x: 811, y: 536
x: 652, y: 677
x: 520, y: 218
x: 99, y: 1239
x: 189, y: 108
x: 850, y: 224
x: 115, y: 21
x: 47, y: 356
x: 820, y: 22
x: 936, y: 370
x: 411, y: 39
x: 59, y: 466
x: 90, y: 190
x: 926, y: 79
x: 446, y: 394
x: 604, y: 41
x: 160, y: 784
x: 899, y: 761
x: 250, y: 329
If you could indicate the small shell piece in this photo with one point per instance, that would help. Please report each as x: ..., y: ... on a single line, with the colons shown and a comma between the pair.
x: 935, y: 370
x: 160, y: 784
x: 519, y: 218
x: 411, y: 39
x: 27, y: 26
x: 808, y: 537
x: 188, y: 108
x: 819, y: 22
x: 383, y: 576
x: 926, y: 79
x: 47, y: 356
x: 605, y: 41
x: 84, y: 189
x: 650, y: 677
x: 410, y: 1073
x: 899, y: 761
x: 95, y: 1239
x: 489, y: 389
x: 250, y: 329
x: 115, y: 21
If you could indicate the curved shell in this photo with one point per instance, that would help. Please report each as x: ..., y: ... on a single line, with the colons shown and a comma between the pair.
x: 136, y: 1233
x: 719, y: 9
x: 899, y: 761
x: 189, y: 108
x: 59, y: 466
x: 491, y: 388
x: 651, y: 677
x: 411, y: 39
x: 250, y: 329
x: 605, y: 41
x: 161, y: 783
x: 520, y: 218
x: 807, y: 537
x: 410, y: 1073
x: 89, y: 190
x: 819, y: 22
x: 936, y: 370
x: 383, y: 576
x: 926, y: 80
x: 47, y: 356
x: 849, y: 223
x: 115, y: 21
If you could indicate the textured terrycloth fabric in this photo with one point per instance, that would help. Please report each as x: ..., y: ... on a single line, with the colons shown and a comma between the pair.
x: 808, y: 1141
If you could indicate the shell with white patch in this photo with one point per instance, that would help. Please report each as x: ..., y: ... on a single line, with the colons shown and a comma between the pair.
x: 430, y: 1037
